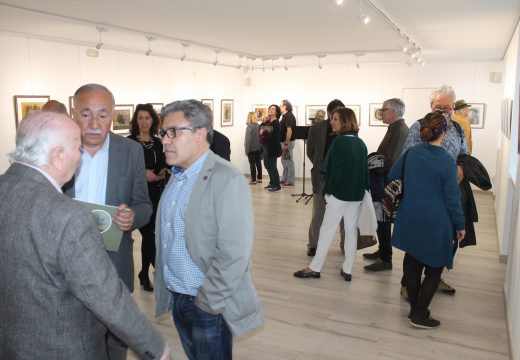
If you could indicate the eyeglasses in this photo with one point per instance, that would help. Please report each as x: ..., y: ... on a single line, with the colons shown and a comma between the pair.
x: 384, y: 109
x: 172, y: 132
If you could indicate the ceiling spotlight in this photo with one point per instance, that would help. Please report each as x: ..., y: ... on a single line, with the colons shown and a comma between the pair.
x: 285, y: 58
x: 149, y: 51
x: 184, y: 46
x: 320, y: 56
x: 339, y: 2
x: 362, y: 16
x: 100, y: 29
x: 240, y: 61
x: 366, y: 19
x: 216, y: 57
x: 272, y: 64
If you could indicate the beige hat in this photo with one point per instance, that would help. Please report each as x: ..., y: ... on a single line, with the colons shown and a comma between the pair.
x: 460, y: 104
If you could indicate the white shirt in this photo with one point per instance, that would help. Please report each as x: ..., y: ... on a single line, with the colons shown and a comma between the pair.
x: 91, y: 177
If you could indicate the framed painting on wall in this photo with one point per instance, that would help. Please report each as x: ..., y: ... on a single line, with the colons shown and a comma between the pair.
x: 260, y: 110
x: 208, y: 103
x: 357, y: 110
x: 27, y: 104
x: 310, y: 113
x: 226, y: 112
x: 121, y: 119
x: 375, y: 116
x: 157, y: 107
x: 476, y: 115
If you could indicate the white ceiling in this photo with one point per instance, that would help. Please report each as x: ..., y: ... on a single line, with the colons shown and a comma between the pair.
x: 445, y: 30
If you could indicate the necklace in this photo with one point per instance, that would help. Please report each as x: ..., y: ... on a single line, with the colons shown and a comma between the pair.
x: 146, y: 144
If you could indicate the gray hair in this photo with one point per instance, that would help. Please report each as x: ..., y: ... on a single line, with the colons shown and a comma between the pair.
x: 398, y: 105
x: 443, y: 89
x: 93, y: 87
x: 195, y: 112
x: 37, y: 135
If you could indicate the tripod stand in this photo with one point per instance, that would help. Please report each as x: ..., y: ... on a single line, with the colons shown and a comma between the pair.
x: 302, y: 132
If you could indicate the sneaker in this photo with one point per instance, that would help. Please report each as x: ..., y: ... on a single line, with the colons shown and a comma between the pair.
x: 258, y: 181
x: 445, y: 288
x: 274, y: 189
x: 268, y: 187
x: 372, y: 256
x: 404, y: 293
x: 252, y: 182
x: 379, y: 265
x: 421, y: 319
x: 287, y: 184
x: 311, y: 251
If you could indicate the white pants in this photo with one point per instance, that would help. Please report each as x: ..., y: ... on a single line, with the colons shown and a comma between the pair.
x: 334, y: 211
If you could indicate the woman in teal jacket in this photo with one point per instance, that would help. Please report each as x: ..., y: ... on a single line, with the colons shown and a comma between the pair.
x: 428, y: 214
x: 346, y: 179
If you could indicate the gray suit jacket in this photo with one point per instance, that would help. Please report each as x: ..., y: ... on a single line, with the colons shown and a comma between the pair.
x: 219, y: 232
x: 58, y: 289
x: 315, y: 148
x: 126, y: 183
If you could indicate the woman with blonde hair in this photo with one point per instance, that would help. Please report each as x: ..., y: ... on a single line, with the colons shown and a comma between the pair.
x: 253, y: 148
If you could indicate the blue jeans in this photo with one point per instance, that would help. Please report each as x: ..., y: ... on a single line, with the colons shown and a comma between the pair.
x: 204, y: 336
x: 288, y: 174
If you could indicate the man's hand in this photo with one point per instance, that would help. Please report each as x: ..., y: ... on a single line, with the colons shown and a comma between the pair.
x: 460, y: 174
x: 461, y: 234
x: 124, y: 217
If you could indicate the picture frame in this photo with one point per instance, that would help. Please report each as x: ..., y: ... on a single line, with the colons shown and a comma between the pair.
x: 263, y: 109
x: 209, y: 103
x: 27, y: 104
x: 226, y: 112
x: 476, y: 115
x: 310, y: 112
x: 121, y: 119
x: 374, y: 115
x: 357, y: 110
x: 71, y: 105
x: 157, y: 107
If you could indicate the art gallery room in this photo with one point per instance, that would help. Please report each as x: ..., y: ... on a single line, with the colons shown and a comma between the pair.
x: 242, y: 56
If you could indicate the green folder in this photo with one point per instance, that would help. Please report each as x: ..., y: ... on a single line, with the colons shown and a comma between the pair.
x: 112, y: 235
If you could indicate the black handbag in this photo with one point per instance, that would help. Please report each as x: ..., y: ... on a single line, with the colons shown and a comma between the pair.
x: 392, y: 195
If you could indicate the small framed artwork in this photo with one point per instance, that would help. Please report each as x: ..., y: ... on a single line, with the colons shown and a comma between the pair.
x: 226, y: 112
x: 71, y: 105
x: 476, y: 115
x: 260, y: 110
x: 157, y: 107
x: 312, y: 110
x: 375, y: 117
x: 208, y: 103
x: 122, y: 117
x: 27, y: 104
x: 357, y: 111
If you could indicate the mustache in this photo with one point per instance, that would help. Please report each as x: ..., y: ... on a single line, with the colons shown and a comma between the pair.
x: 93, y: 132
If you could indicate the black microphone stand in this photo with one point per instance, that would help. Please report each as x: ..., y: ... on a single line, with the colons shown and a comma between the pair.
x: 302, y: 132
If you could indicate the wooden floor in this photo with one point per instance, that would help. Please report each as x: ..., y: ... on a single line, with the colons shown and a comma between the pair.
x: 329, y: 318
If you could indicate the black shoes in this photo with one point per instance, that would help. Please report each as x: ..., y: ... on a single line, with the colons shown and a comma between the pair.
x: 379, y: 265
x: 347, y: 277
x: 145, y: 282
x: 305, y: 275
x: 372, y: 256
x: 421, y: 319
x: 311, y: 251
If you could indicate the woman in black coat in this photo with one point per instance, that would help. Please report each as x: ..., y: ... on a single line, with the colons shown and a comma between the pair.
x: 270, y: 140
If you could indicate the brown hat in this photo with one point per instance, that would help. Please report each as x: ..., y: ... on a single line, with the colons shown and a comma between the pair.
x: 460, y: 104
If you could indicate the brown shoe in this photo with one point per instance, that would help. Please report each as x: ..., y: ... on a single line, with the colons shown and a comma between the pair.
x: 404, y: 293
x: 302, y: 274
x: 444, y: 288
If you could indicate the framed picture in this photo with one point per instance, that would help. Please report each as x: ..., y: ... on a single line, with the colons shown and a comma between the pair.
x: 26, y: 104
x: 375, y: 117
x: 157, y: 107
x: 71, y: 105
x: 357, y: 111
x: 226, y: 112
x: 122, y: 117
x: 208, y: 102
x: 310, y: 113
x: 260, y: 110
x: 476, y: 115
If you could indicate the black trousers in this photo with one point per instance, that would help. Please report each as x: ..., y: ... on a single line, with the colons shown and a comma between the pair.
x: 384, y: 235
x: 255, y: 164
x: 420, y: 293
x: 272, y: 170
x: 148, y: 231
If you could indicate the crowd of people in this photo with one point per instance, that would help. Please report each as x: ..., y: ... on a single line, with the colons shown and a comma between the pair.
x: 172, y: 180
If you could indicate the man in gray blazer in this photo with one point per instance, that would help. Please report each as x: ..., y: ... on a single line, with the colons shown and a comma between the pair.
x: 204, y: 239
x: 112, y: 172
x: 58, y: 288
x: 318, y: 142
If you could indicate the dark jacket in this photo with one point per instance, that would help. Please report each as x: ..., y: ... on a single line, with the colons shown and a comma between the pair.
x: 475, y: 173
x: 270, y: 140
x: 220, y: 145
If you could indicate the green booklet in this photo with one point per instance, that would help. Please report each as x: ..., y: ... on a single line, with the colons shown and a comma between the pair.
x: 103, y: 214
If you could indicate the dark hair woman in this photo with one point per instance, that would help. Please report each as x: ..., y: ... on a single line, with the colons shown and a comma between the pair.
x: 270, y: 140
x: 428, y: 214
x: 143, y: 129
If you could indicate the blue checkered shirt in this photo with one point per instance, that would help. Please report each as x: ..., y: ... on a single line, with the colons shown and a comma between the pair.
x: 453, y: 143
x: 181, y: 274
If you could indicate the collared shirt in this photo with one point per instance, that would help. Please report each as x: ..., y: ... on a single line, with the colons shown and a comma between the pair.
x: 91, y: 178
x: 50, y: 178
x: 453, y: 143
x: 181, y: 274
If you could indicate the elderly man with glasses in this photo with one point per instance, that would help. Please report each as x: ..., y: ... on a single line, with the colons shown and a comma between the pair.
x: 204, y: 239
x: 442, y: 100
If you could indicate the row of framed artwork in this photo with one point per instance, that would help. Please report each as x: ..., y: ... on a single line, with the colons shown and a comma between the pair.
x: 476, y: 113
x: 26, y: 104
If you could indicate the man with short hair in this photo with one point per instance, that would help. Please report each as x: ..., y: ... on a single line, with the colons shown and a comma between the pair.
x: 287, y: 125
x: 391, y: 148
x: 461, y: 117
x: 442, y: 100
x: 318, y: 142
x: 58, y: 289
x: 112, y: 172
x: 204, y: 239
x: 55, y: 106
